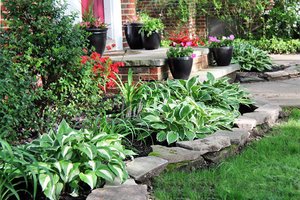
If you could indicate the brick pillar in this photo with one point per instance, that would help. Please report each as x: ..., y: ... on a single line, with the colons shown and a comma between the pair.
x: 128, y: 11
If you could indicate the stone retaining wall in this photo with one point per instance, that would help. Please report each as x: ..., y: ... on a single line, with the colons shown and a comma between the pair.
x: 191, y: 155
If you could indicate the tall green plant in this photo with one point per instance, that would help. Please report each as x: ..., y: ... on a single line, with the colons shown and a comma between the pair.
x: 40, y: 72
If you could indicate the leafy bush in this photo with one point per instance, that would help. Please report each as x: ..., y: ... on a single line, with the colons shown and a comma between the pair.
x: 186, y: 109
x: 283, y: 20
x: 251, y: 58
x: 41, y: 75
x: 66, y: 159
x: 277, y: 45
x: 151, y: 25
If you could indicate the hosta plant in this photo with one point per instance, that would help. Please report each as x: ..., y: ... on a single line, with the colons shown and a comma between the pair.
x: 67, y: 161
x: 187, y: 109
x: 251, y: 58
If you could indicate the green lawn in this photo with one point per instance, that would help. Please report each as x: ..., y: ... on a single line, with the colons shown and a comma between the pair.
x: 267, y: 169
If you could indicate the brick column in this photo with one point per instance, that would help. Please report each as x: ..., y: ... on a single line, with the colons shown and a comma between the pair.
x: 128, y: 11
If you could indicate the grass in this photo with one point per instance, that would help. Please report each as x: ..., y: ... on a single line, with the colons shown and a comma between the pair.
x: 267, y: 169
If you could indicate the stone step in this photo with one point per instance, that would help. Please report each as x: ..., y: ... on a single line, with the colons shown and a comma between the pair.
x: 218, y: 72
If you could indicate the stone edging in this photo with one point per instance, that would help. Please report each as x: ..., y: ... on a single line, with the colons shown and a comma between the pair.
x: 289, y: 72
x: 189, y: 155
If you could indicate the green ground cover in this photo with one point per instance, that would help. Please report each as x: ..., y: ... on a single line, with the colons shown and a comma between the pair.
x: 267, y: 169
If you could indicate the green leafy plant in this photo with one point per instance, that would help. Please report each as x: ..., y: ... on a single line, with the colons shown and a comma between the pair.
x: 178, y: 51
x: 151, y: 25
x: 41, y: 75
x: 63, y: 162
x: 277, y: 45
x: 251, y: 58
x: 186, y: 109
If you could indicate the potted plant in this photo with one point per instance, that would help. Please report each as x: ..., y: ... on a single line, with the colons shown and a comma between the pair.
x: 97, y: 29
x: 133, y: 33
x: 221, y: 49
x: 151, y: 32
x: 180, y: 55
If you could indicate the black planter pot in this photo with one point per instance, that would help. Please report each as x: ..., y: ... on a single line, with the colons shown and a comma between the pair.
x: 133, y: 35
x: 98, y: 39
x: 152, y: 41
x: 180, y: 67
x: 222, y: 55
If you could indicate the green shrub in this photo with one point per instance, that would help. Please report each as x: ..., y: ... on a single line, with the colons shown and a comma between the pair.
x: 277, y: 45
x: 40, y: 72
x: 251, y: 58
x: 67, y: 158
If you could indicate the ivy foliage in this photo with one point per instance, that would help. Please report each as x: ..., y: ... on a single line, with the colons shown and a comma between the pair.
x: 41, y: 78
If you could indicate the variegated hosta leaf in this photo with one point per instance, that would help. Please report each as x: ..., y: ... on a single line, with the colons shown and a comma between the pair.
x: 67, y: 170
x: 89, y: 178
x: 105, y: 153
x: 104, y: 172
x: 89, y: 150
x: 118, y: 171
x: 66, y: 152
x: 50, y: 185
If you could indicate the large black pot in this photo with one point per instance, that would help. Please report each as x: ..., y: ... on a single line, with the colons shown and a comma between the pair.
x: 180, y: 67
x: 98, y: 39
x: 222, y: 55
x: 133, y: 35
x: 152, y: 41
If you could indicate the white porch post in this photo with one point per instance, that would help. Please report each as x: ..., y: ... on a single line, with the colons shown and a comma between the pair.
x: 74, y: 6
x: 113, y: 17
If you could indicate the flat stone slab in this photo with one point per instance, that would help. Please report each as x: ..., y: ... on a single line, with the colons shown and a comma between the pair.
x: 237, y: 136
x: 273, y: 111
x: 175, y: 154
x: 245, y: 123
x: 117, y: 183
x: 260, y: 117
x: 282, y: 93
x: 132, y: 192
x: 217, y: 157
x: 209, y: 144
x: 143, y: 168
x: 277, y: 74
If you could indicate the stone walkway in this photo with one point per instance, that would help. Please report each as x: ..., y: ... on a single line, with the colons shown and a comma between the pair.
x: 280, y: 92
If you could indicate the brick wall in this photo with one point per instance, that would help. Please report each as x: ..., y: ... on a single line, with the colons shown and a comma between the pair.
x: 195, y: 24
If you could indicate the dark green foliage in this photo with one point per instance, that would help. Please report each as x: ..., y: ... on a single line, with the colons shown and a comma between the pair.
x: 251, y: 58
x: 283, y: 20
x: 42, y: 80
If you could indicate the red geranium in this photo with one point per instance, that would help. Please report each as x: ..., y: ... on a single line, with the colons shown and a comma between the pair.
x: 184, y: 39
x: 103, y: 68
